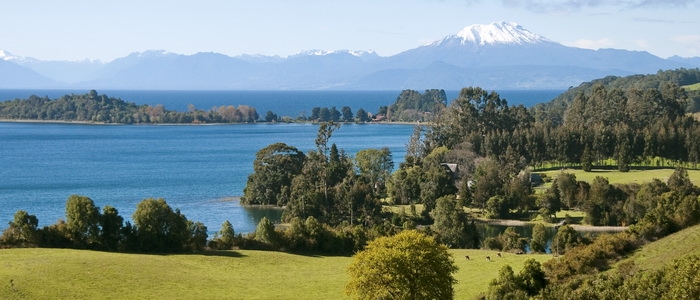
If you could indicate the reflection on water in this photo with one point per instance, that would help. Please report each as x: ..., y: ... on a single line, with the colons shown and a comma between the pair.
x: 525, y: 231
x: 256, y: 213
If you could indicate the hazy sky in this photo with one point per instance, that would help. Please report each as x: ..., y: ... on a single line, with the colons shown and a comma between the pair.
x: 105, y: 30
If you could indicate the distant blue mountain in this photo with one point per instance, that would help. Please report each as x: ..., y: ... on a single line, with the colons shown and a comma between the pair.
x: 495, y: 56
x: 13, y: 76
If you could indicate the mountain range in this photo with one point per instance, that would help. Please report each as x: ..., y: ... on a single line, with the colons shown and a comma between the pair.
x: 500, y: 55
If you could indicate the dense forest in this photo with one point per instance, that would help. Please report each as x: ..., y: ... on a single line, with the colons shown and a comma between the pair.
x: 92, y: 107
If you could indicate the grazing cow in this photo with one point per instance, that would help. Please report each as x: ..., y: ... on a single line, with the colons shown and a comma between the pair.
x: 499, y: 254
x: 467, y: 257
x: 488, y: 258
x: 519, y: 252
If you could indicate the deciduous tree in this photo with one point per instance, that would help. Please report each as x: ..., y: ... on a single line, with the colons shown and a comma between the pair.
x: 409, y: 265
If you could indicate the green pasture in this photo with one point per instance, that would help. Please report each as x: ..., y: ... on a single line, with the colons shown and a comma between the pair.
x: 662, y: 252
x: 614, y: 176
x: 245, y: 274
x: 692, y: 87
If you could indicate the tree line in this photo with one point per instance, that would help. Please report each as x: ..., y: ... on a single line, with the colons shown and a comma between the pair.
x: 156, y: 227
x: 92, y: 107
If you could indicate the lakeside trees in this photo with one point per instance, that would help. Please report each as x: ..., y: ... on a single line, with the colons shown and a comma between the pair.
x: 156, y: 228
x: 92, y: 107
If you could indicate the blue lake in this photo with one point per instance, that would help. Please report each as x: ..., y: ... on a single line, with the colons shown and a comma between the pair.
x: 195, y: 168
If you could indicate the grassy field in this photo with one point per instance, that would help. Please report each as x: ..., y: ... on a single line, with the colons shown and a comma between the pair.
x: 692, y: 87
x: 659, y: 253
x: 76, y: 274
x: 614, y: 176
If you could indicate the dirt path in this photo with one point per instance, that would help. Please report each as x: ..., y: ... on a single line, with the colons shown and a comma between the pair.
x: 576, y: 227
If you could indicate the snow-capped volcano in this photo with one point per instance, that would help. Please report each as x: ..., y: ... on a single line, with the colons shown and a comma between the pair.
x: 493, y: 34
x: 4, y: 55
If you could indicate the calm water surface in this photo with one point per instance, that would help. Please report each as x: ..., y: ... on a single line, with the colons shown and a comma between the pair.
x: 195, y: 168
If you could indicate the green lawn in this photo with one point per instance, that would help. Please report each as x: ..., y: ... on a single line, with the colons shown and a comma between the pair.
x: 244, y: 274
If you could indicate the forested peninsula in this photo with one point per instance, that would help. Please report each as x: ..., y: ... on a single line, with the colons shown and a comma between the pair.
x: 95, y: 108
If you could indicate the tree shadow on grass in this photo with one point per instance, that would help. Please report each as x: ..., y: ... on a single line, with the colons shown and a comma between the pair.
x: 317, y: 254
x: 220, y: 253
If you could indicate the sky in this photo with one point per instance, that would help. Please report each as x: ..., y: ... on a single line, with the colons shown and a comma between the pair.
x: 106, y: 30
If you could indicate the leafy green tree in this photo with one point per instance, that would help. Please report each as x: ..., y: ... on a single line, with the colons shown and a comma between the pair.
x: 225, y: 238
x: 437, y: 179
x: 451, y: 224
x: 505, y: 286
x: 498, y: 207
x: 531, y: 278
x: 158, y: 228
x: 315, y: 113
x: 568, y: 188
x: 404, y: 187
x: 111, y: 224
x: 550, y: 202
x: 565, y: 239
x: 409, y: 265
x: 324, y: 115
x: 335, y: 115
x: 512, y: 240
x: 22, y: 231
x: 347, y: 114
x: 361, y: 116
x: 273, y: 170
x: 197, y: 236
x: 539, y: 238
x: 488, y: 182
x: 82, y: 220
x: 265, y: 232
x: 270, y: 116
x: 375, y: 165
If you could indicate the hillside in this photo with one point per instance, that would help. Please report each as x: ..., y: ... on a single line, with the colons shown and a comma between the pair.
x: 245, y: 274
x: 657, y: 254
x: 687, y: 78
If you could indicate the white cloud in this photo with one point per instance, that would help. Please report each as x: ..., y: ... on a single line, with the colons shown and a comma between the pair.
x: 687, y: 39
x: 592, y: 44
x: 689, y: 43
x: 643, y: 44
x: 570, y: 6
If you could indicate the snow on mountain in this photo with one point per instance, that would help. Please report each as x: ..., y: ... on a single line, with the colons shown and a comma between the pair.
x: 493, y: 34
x: 4, y: 55
x: 317, y: 52
x: 7, y: 56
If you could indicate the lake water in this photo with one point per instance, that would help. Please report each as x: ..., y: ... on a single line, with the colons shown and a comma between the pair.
x: 197, y: 169
x: 283, y: 103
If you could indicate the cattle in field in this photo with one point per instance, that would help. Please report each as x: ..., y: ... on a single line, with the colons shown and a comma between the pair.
x: 499, y: 254
x: 488, y: 258
x: 467, y: 257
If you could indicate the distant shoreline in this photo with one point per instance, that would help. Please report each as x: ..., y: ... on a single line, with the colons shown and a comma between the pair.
x: 577, y: 227
x: 193, y: 124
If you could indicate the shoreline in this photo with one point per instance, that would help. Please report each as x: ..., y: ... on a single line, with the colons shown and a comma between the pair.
x: 577, y: 227
x: 196, y: 124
